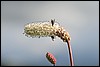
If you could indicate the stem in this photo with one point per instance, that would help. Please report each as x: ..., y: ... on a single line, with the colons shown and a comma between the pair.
x: 54, y: 65
x: 70, y: 54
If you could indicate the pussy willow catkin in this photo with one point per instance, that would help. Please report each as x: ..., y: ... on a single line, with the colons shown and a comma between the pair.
x: 44, y: 29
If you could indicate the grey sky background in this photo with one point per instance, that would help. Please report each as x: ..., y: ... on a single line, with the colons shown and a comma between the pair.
x: 80, y: 19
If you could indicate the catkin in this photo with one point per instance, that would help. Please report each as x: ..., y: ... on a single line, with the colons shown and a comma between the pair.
x: 46, y: 29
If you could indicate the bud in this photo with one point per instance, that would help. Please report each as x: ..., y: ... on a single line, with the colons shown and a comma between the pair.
x: 51, y: 58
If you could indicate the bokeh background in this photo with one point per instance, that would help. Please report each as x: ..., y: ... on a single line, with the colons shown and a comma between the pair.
x: 79, y: 18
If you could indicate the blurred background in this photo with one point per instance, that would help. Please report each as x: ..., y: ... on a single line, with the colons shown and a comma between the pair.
x: 79, y: 18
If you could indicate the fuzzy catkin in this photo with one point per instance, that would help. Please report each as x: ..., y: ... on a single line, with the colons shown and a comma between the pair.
x: 44, y: 29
